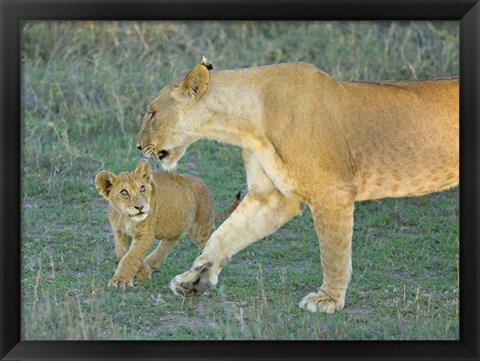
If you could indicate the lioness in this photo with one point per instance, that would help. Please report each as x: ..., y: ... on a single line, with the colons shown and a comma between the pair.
x: 306, y: 138
x: 143, y: 206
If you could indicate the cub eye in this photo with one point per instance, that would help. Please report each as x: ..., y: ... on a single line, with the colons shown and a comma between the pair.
x: 152, y: 116
x: 124, y: 192
x: 143, y: 189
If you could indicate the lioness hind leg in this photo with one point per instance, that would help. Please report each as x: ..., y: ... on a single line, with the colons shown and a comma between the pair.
x: 334, y: 224
x: 159, y: 255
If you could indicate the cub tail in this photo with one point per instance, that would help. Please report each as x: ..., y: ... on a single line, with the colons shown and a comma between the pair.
x: 222, y: 216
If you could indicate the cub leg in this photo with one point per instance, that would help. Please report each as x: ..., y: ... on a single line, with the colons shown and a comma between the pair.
x: 122, y: 243
x: 133, y: 262
x: 333, y: 219
x: 255, y: 218
x: 204, y: 222
x: 201, y: 232
x: 159, y: 255
x: 144, y: 272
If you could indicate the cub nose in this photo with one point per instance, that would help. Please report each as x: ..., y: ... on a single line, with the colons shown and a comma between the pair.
x: 139, y: 146
x: 139, y: 207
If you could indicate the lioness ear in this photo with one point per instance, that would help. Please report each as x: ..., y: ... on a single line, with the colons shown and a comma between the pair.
x: 194, y: 84
x: 207, y: 63
x: 104, y: 182
x: 144, y: 170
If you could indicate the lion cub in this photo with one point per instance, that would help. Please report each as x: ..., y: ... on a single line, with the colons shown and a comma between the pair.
x: 143, y: 206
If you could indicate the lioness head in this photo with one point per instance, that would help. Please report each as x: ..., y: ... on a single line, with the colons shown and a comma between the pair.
x: 129, y: 192
x: 165, y: 133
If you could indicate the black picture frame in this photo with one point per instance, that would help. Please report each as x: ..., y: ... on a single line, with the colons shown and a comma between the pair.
x: 14, y: 11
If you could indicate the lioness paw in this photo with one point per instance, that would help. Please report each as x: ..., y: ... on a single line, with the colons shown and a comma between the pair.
x: 194, y: 282
x: 120, y: 283
x: 320, y: 302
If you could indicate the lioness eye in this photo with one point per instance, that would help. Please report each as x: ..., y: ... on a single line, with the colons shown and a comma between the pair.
x: 152, y: 116
x: 124, y: 192
x: 143, y: 189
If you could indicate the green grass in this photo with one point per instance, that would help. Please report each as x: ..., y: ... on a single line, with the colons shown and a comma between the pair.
x: 84, y: 90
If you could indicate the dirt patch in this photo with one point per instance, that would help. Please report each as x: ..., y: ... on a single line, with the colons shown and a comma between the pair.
x: 358, y: 312
x: 172, y: 323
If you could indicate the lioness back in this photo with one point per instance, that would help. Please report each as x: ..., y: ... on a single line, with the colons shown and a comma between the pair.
x: 377, y: 136
x: 406, y: 142
x: 377, y: 133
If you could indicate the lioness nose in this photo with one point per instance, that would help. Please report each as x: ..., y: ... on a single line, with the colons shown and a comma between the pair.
x: 139, y: 208
x: 162, y: 154
x: 139, y: 146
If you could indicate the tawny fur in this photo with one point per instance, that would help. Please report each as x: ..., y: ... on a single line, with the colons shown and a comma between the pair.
x: 171, y: 204
x: 307, y: 138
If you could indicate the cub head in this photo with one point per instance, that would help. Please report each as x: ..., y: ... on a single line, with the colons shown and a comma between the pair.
x: 166, y: 130
x: 129, y: 192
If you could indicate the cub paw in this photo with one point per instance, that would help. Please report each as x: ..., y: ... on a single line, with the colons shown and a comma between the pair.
x: 152, y: 263
x: 320, y: 302
x: 194, y: 282
x: 144, y: 273
x: 119, y: 282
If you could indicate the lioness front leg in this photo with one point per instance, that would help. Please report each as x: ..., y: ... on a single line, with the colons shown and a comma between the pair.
x: 255, y: 218
x: 333, y: 219
x: 133, y: 263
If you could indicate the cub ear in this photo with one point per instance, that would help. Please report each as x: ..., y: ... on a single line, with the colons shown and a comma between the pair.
x: 194, y: 85
x: 104, y: 182
x: 144, y: 170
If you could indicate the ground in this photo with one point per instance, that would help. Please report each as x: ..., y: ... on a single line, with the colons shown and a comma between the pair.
x: 84, y: 90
